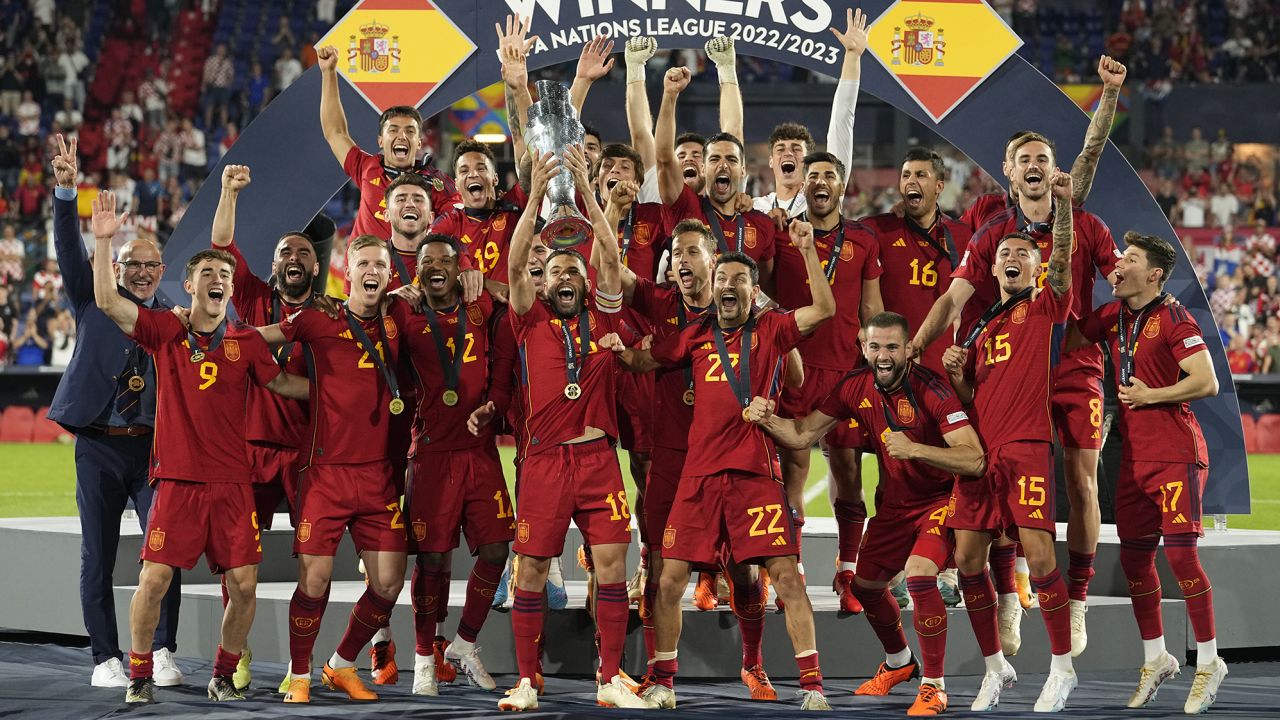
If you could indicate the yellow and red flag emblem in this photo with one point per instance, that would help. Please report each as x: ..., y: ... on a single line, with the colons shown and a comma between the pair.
x: 941, y: 50
x: 395, y: 52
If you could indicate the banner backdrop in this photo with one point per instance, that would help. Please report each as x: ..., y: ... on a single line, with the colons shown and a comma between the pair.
x: 982, y: 96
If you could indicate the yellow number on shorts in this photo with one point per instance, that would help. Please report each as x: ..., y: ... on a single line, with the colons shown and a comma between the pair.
x: 618, y: 505
x: 1000, y: 351
x: 940, y: 515
x: 504, y: 510
x: 257, y: 533
x: 364, y: 359
x: 208, y: 373
x: 758, y: 514
x: 467, y: 355
x: 1095, y: 412
x: 925, y: 276
x: 487, y: 257
x: 1031, y: 491
x: 397, y: 520
x: 1171, y: 488
x: 716, y: 372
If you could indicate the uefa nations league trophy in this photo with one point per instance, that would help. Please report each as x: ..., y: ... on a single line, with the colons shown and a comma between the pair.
x: 554, y: 126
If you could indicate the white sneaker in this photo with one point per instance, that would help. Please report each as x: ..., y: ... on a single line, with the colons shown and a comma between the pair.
x: 165, y: 670
x: 1009, y: 616
x: 993, y: 683
x: 661, y: 696
x: 617, y: 693
x: 424, y: 678
x: 522, y: 697
x: 1056, y: 691
x: 469, y: 655
x: 1204, y: 689
x: 1079, y: 638
x: 1150, y: 676
x: 110, y: 674
x: 814, y: 700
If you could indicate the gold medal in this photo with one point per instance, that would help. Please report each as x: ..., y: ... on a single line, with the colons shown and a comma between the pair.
x: 688, y: 397
x: 396, y: 406
x: 745, y: 415
x: 573, y: 391
x: 136, y: 383
x: 197, y: 356
x: 450, y: 397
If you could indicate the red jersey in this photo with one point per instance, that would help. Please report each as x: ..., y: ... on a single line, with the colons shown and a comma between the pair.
x: 350, y: 396
x: 924, y: 407
x: 1092, y: 250
x: 1011, y: 364
x: 200, y: 407
x: 643, y: 233
x: 485, y: 235
x: 372, y: 179
x: 1161, y: 337
x: 668, y: 314
x: 760, y: 236
x: 550, y: 417
x: 720, y: 440
x: 439, y: 425
x: 270, y: 418
x: 503, y: 377
x: 917, y: 267
x: 834, y: 345
x: 984, y: 208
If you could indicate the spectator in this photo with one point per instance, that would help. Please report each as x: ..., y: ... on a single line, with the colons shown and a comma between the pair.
x: 215, y: 85
x: 10, y: 88
x: 1235, y: 50
x: 154, y: 92
x: 28, y: 115
x: 1193, y: 211
x: 168, y: 150
x: 1167, y: 199
x: 73, y: 62
x: 69, y: 117
x: 1224, y: 205
x: 1220, y: 149
x: 130, y: 109
x: 1222, y: 299
x: 29, y: 198
x: 46, y: 283
x: 1239, y: 359
x: 62, y: 338
x: 257, y: 91
x: 12, y: 258
x: 325, y: 10
x: 1119, y: 44
x: 287, y: 69
x: 1262, y: 264
x: 10, y: 158
x: 230, y: 133
x: 124, y: 188
x: 1261, y: 239
x: 1228, y: 252
x: 1264, y: 208
x: 195, y: 158
x: 284, y: 35
x: 119, y: 134
x: 146, y: 200
x: 1196, y: 152
x: 9, y: 311
x: 308, y: 55
x: 1269, y: 348
x: 32, y: 346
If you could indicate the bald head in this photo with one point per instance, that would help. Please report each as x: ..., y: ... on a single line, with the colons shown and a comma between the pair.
x: 139, y: 267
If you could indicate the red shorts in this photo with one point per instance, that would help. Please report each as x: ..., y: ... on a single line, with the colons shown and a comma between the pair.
x: 1017, y: 491
x: 362, y: 498
x: 746, y: 513
x: 1077, y: 410
x: 275, y: 478
x: 635, y: 411
x: 457, y: 489
x: 660, y: 491
x: 818, y: 384
x: 893, y: 536
x: 188, y: 519
x: 580, y: 481
x: 1156, y: 498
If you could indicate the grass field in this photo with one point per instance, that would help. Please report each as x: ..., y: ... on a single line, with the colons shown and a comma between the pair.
x: 39, y: 481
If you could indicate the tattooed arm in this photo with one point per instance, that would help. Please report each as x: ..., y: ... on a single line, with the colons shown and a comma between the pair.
x: 1085, y: 167
x: 1059, y: 274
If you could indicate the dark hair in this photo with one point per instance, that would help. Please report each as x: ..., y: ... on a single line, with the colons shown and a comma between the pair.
x: 410, y: 178
x: 791, y: 131
x: 822, y: 156
x: 210, y: 254
x: 691, y: 137
x: 619, y: 151
x: 1030, y: 137
x: 436, y: 237
x: 889, y: 319
x: 591, y: 130
x: 1008, y: 144
x: 733, y: 256
x: 1019, y: 236
x: 924, y: 154
x: 724, y: 137
x: 472, y: 146
x: 297, y: 233
x: 694, y: 225
x: 399, y: 111
x: 565, y: 251
x: 1160, y: 253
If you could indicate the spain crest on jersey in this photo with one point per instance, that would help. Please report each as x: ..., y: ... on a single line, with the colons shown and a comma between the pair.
x: 500, y: 222
x: 749, y: 237
x: 642, y: 234
x: 906, y: 411
x: 1020, y: 313
x: 475, y: 315
x: 231, y: 350
x: 846, y: 251
x: 389, y: 325
x: 1152, y: 328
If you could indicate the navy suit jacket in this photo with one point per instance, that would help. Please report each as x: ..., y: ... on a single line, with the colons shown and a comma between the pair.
x: 102, y: 350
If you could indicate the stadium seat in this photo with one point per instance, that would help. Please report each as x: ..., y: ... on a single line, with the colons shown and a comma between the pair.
x: 1268, y: 433
x: 16, y: 424
x: 46, y: 430
x: 1250, y: 432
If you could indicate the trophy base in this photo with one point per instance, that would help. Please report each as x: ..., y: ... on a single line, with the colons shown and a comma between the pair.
x: 566, y: 232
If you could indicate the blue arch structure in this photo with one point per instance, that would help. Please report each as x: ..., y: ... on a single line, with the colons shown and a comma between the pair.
x: 295, y: 173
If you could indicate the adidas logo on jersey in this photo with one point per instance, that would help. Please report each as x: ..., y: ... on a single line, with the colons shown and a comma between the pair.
x: 1097, y: 435
x: 864, y: 404
x: 1037, y: 515
x: 1179, y: 518
x: 779, y: 541
x: 900, y: 243
x: 934, y: 531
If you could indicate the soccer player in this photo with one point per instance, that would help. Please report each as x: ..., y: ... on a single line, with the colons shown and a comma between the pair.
x: 851, y: 269
x: 1161, y: 364
x: 347, y: 479
x: 203, y: 501
x: 729, y: 491
x: 399, y: 140
x: 912, y: 420
x: 1003, y: 367
x: 1077, y: 391
x: 570, y: 418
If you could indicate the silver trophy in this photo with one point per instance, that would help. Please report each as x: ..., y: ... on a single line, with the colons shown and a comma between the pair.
x: 553, y: 127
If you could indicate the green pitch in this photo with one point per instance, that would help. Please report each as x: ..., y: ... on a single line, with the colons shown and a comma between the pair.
x: 39, y: 481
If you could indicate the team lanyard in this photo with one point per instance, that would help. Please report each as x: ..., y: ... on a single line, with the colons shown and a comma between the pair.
x: 993, y: 312
x: 889, y: 418
x: 357, y: 331
x: 790, y: 205
x: 837, y: 247
x: 688, y: 371
x: 283, y: 352
x: 401, y: 268
x: 713, y: 219
x: 1032, y: 227
x: 627, y: 225
x: 193, y: 343
x: 948, y: 247
x: 1128, y: 339
x: 450, y: 366
x: 740, y: 379
x: 572, y: 359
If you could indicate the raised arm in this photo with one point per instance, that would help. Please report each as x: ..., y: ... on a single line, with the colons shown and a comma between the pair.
x: 943, y: 314
x: 105, y: 223
x: 845, y: 102
x: 1112, y: 72
x: 793, y: 434
x: 638, y: 52
x: 1059, y: 272
x: 963, y: 454
x: 68, y: 246
x: 333, y: 121
x: 513, y: 49
x: 604, y: 256
x: 234, y: 179
x: 670, y: 180
x: 823, y: 307
x: 720, y: 51
x: 594, y: 63
x: 522, y: 293
x: 621, y: 197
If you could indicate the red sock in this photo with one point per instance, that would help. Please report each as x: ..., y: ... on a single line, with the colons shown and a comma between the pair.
x: 424, y: 589
x: 1079, y: 572
x: 883, y: 615
x: 664, y: 672
x: 1184, y: 560
x: 980, y: 602
x: 1052, y: 593
x: 647, y: 603
x: 930, y: 620
x: 1138, y: 559
x: 304, y: 623
x: 226, y: 596
x: 224, y: 663
x: 748, y: 607
x: 371, y: 612
x: 612, y: 609
x: 526, y: 626
x: 810, y: 672
x: 481, y: 585
x: 442, y: 607
x: 851, y: 516
x: 139, y: 665
x: 1002, y: 560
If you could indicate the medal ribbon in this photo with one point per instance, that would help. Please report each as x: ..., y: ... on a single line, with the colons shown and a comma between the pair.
x: 357, y: 331
x: 948, y: 246
x: 739, y: 380
x: 1128, y: 339
x: 627, y: 225
x: 402, y: 270
x: 571, y: 359
x: 836, y: 247
x: 284, y: 351
x: 993, y: 312
x: 713, y: 219
x: 450, y: 366
x: 193, y: 343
